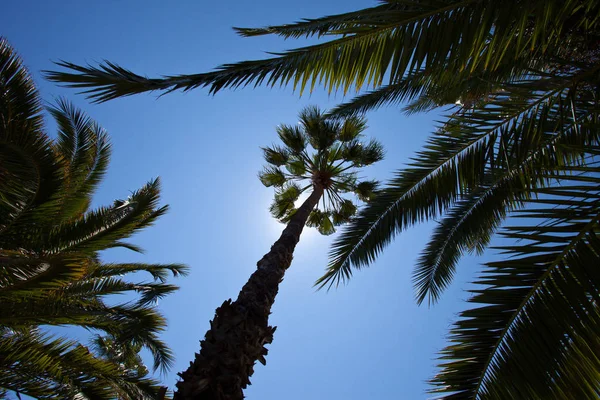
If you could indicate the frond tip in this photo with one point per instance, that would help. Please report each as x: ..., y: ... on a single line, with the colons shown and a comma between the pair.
x: 325, y: 153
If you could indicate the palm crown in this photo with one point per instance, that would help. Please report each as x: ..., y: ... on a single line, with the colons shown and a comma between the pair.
x: 332, y: 166
x: 51, y: 272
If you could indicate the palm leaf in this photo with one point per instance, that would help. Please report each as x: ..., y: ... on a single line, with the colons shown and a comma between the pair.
x: 43, y: 367
x: 100, y: 228
x: 506, y: 131
x: 533, y: 333
x: 158, y: 271
x: 84, y: 154
x: 406, y: 38
x: 28, y: 171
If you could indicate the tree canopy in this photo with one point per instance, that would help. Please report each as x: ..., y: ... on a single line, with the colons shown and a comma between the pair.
x: 51, y: 272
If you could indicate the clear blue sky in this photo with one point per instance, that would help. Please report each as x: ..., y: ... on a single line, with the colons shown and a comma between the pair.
x: 367, y: 340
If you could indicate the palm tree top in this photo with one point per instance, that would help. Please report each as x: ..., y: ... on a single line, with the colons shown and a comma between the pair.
x: 320, y: 153
x: 51, y: 272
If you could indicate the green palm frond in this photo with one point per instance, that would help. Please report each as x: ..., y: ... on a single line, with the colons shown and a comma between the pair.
x: 50, y: 268
x: 422, y: 91
x: 352, y: 127
x: 98, y: 229
x: 284, y: 201
x: 371, y: 153
x: 322, y: 221
x: 84, y: 154
x: 405, y: 38
x: 388, y: 94
x: 142, y: 324
x: 366, y: 190
x: 159, y: 272
x: 314, y: 218
x: 472, y: 220
x: 28, y: 171
x: 79, y: 303
x: 275, y: 155
x: 292, y: 137
x: 467, y: 227
x: 518, y: 127
x: 321, y: 133
x: 68, y: 370
x: 125, y: 355
x: 345, y: 213
x: 296, y: 166
x: 126, y: 245
x: 271, y: 176
x: 128, y: 322
x: 326, y: 226
x: 321, y: 26
x: 135, y: 323
x: 108, y: 76
x: 533, y: 333
x: 19, y: 98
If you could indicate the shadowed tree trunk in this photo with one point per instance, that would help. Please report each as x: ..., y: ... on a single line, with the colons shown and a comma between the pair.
x: 240, y: 329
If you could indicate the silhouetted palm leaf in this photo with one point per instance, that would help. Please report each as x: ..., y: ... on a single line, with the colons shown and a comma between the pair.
x: 534, y: 333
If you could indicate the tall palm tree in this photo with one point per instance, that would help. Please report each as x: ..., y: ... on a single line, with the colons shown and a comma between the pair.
x: 521, y: 80
x: 51, y: 273
x: 240, y: 329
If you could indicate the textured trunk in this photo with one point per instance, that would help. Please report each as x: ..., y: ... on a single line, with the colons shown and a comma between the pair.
x: 240, y: 329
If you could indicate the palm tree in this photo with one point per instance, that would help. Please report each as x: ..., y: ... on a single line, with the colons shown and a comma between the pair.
x: 521, y: 79
x: 240, y: 329
x: 51, y: 273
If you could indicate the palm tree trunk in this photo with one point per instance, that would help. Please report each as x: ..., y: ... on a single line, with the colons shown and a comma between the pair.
x: 240, y: 329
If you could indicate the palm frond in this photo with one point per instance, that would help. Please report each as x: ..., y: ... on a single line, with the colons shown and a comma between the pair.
x: 408, y: 37
x: 100, y: 228
x: 158, y: 271
x: 143, y: 325
x: 124, y: 354
x: 424, y: 91
x: 474, y: 218
x: 292, y: 137
x: 467, y: 227
x: 352, y: 127
x: 388, y: 94
x: 501, y: 133
x: 109, y: 81
x: 323, y: 26
x: 533, y: 333
x: 128, y: 322
x: 272, y: 176
x: 326, y: 226
x: 28, y: 171
x: 275, y: 155
x: 284, y: 201
x: 19, y: 100
x: 43, y: 367
x: 84, y: 154
x: 50, y: 273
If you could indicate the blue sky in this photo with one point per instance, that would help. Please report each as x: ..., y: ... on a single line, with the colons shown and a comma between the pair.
x: 365, y: 340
